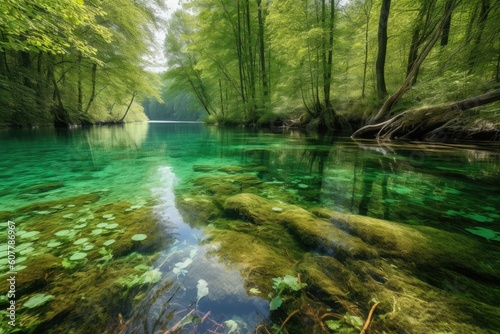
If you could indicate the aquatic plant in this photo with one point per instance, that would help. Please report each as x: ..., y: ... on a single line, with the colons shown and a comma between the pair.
x: 37, y: 300
x: 202, y: 287
x: 281, y: 285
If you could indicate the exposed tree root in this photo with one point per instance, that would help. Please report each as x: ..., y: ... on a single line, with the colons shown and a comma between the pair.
x: 431, y: 122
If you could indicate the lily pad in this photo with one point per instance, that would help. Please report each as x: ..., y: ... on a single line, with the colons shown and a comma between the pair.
x: 37, y: 300
x: 483, y: 232
x: 109, y: 242
x: 97, y: 231
x: 68, y: 216
x: 27, y: 251
x: 102, y: 225
x: 109, y: 215
x: 78, y: 256
x: 139, y: 237
x: 63, y: 233
x: 111, y: 226
x: 30, y: 234
x: 80, y: 241
x: 88, y: 247
x: 54, y: 244
x: 80, y: 226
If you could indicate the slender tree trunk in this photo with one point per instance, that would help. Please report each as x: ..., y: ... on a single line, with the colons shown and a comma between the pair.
x: 262, y: 50
x: 92, y: 93
x: 367, y: 9
x: 446, y: 29
x: 80, y: 89
x: 391, y: 100
x: 485, y: 9
x: 128, y: 107
x: 382, y: 47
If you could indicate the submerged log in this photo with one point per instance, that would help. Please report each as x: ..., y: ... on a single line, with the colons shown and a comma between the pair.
x: 426, y: 122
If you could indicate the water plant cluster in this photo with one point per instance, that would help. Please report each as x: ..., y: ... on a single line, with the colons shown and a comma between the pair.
x: 412, y: 274
x: 81, y: 263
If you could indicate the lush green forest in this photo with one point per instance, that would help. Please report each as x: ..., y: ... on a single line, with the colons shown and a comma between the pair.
x: 333, y: 64
x: 423, y: 68
x: 69, y: 62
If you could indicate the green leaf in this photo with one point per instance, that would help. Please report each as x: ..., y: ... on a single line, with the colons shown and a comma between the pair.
x: 37, y: 300
x: 275, y: 303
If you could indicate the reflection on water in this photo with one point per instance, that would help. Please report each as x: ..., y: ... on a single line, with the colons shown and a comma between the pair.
x: 196, y: 290
x: 124, y: 173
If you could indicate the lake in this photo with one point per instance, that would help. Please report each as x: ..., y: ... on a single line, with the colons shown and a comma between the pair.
x: 186, y: 228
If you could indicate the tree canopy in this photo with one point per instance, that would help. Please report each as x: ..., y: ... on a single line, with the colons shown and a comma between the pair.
x: 74, y: 61
x: 328, y: 62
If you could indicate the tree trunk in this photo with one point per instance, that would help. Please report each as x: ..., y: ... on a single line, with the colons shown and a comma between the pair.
x: 446, y: 29
x: 262, y: 50
x: 382, y: 48
x: 391, y: 100
x: 367, y: 9
x: 128, y: 108
x: 424, y: 122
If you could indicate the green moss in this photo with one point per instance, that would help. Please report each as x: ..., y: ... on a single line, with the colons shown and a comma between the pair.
x: 42, y: 188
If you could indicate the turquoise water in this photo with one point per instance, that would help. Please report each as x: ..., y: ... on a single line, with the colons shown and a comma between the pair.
x: 453, y: 188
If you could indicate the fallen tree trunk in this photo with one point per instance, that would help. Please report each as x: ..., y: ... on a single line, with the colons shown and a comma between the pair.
x: 426, y: 122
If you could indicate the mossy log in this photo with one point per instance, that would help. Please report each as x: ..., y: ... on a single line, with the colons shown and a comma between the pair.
x: 430, y: 122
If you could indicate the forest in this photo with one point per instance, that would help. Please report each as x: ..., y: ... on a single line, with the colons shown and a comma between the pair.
x: 425, y: 69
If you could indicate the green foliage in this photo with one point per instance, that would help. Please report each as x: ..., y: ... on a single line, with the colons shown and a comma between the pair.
x: 283, y: 285
x: 37, y: 300
x: 66, y: 61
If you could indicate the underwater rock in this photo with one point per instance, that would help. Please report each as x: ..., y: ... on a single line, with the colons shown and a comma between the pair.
x: 423, y: 245
x: 204, y: 168
x: 243, y: 169
x: 198, y: 210
x: 308, y: 229
x: 43, y: 188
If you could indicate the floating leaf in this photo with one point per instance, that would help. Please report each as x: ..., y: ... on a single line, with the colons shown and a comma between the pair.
x: 109, y: 215
x: 277, y: 209
x: 30, y: 234
x: 78, y: 256
x: 27, y: 251
x: 102, y: 225
x: 88, y: 247
x: 112, y: 226
x: 80, y: 241
x: 68, y: 216
x: 97, y: 231
x: 478, y: 218
x: 202, y: 287
x: 38, y: 300
x: 80, y: 226
x: 483, y: 232
x: 109, y: 242
x: 139, y: 237
x: 53, y: 244
x: 231, y: 326
x: 63, y: 233
x: 111, y: 218
x: 22, y: 246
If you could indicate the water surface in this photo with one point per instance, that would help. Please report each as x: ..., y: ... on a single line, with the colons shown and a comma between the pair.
x: 451, y: 188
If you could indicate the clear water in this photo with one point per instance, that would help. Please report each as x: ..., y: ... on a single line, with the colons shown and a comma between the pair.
x: 449, y: 187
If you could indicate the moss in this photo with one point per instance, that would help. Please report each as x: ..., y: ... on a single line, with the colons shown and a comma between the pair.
x: 42, y: 188
x: 197, y: 210
x: 426, y: 246
x: 307, y: 228
x: 257, y: 261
